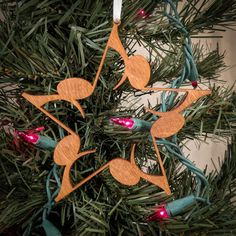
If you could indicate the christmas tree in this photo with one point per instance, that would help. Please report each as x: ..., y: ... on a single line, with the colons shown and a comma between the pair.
x: 44, y: 42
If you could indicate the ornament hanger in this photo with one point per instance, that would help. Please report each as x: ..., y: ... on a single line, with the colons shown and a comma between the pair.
x: 117, y: 5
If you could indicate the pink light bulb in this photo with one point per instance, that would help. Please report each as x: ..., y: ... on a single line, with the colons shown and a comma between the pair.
x: 160, y: 214
x: 125, y: 122
x: 31, y: 131
x: 142, y: 13
x: 30, y: 138
x: 194, y: 84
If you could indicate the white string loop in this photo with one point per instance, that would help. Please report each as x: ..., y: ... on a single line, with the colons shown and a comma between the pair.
x: 117, y: 5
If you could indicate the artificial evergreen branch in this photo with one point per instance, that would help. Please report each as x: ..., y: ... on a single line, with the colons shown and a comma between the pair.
x: 43, y: 43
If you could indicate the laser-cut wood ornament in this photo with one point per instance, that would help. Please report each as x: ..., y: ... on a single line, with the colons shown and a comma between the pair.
x: 137, y: 71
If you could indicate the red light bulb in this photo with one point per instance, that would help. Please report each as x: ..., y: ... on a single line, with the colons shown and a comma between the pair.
x: 125, y: 122
x: 194, y: 84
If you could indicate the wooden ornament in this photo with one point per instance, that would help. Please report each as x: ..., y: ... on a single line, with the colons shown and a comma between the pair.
x: 137, y: 71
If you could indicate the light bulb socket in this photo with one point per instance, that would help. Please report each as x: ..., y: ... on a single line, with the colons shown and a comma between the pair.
x: 141, y: 125
x: 45, y: 142
x: 176, y: 207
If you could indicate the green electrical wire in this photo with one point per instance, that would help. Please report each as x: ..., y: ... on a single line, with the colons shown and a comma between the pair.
x: 190, y: 72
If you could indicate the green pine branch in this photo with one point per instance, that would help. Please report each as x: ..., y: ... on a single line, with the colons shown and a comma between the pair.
x: 43, y: 43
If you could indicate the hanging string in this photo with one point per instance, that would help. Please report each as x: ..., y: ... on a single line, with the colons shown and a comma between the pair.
x: 117, y: 5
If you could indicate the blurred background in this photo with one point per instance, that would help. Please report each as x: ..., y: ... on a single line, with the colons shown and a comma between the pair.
x: 206, y: 153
